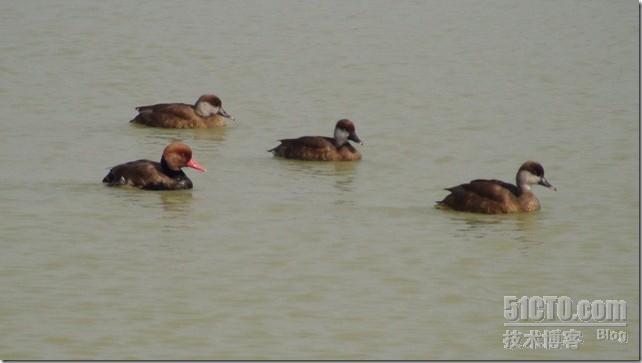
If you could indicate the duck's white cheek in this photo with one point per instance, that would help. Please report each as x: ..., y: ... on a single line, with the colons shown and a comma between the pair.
x: 207, y: 109
x: 341, y: 135
x: 533, y: 179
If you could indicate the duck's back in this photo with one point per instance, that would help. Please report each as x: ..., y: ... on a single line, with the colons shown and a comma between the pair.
x: 146, y: 174
x: 483, y: 196
x: 315, y: 148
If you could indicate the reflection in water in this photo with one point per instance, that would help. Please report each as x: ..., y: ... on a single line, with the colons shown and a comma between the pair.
x: 344, y: 172
x: 217, y: 134
x: 332, y: 254
x: 341, y: 172
x: 523, y: 227
x: 344, y: 183
x: 476, y: 225
x: 166, y: 136
x: 176, y: 201
x: 320, y: 168
x: 527, y: 226
x: 170, y: 200
x: 177, y: 207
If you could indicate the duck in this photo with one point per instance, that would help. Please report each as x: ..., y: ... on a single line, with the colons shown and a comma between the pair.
x: 152, y: 175
x: 498, y: 197
x: 321, y: 148
x: 207, y: 112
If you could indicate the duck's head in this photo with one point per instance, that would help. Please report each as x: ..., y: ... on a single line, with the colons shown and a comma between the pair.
x: 344, y: 131
x: 178, y: 155
x: 210, y: 105
x: 531, y: 173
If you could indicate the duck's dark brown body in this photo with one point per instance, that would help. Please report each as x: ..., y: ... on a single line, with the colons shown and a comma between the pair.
x: 147, y: 174
x: 490, y: 197
x: 177, y: 116
x: 495, y: 196
x: 315, y: 148
x: 322, y: 148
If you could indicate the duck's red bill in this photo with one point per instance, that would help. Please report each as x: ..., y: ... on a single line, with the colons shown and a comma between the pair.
x: 195, y: 165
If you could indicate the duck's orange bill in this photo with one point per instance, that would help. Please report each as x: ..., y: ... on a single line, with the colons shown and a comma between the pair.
x: 195, y: 165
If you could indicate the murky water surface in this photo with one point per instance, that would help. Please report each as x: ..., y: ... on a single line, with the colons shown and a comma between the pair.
x: 268, y: 258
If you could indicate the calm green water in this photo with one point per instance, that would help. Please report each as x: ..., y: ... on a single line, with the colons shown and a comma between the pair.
x: 267, y: 258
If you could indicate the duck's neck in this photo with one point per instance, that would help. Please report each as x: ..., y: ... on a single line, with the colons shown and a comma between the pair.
x: 521, y: 180
x: 169, y: 171
x: 527, y: 199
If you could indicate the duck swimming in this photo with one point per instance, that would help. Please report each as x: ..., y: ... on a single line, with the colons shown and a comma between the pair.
x: 321, y: 148
x: 495, y: 196
x: 147, y: 174
x: 207, y: 112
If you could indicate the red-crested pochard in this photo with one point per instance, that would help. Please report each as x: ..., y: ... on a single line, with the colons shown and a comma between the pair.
x: 495, y: 196
x: 207, y: 112
x: 321, y: 148
x: 147, y: 174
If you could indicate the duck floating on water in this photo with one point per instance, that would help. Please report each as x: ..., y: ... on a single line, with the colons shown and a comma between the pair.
x: 147, y: 174
x: 207, y: 112
x: 320, y: 148
x: 495, y: 196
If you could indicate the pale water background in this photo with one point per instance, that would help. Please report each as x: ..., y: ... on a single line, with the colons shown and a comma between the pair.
x: 267, y: 258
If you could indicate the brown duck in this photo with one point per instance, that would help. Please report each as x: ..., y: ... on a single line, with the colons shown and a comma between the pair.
x: 496, y: 196
x: 147, y: 174
x: 207, y: 112
x: 321, y: 148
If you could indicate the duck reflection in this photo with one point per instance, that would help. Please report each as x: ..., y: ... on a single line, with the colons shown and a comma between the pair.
x: 523, y: 228
x: 342, y: 175
x: 214, y: 136
x: 528, y: 228
x: 317, y: 168
x: 176, y: 201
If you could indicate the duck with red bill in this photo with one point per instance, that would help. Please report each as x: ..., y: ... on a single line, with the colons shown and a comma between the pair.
x: 152, y: 175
